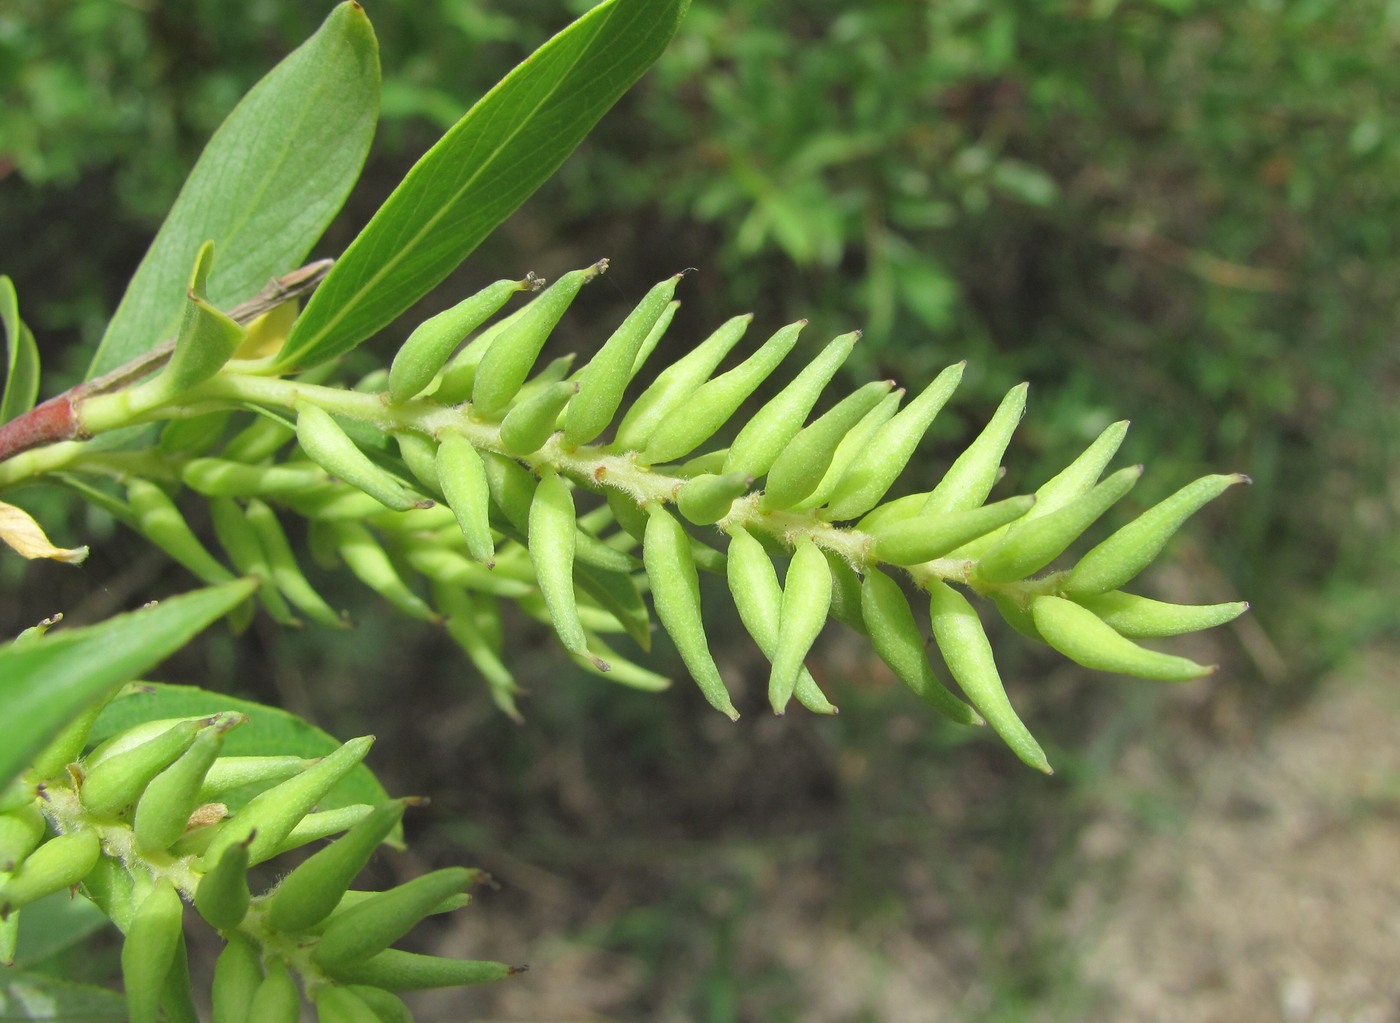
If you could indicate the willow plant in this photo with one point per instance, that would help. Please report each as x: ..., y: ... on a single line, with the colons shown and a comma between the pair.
x: 463, y: 477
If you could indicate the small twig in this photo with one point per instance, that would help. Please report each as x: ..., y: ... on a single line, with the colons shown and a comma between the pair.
x: 55, y: 420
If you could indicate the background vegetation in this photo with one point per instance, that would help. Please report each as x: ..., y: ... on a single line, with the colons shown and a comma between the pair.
x: 1178, y: 211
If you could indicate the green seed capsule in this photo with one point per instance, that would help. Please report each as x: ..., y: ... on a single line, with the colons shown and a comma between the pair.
x: 1143, y: 618
x: 219, y: 477
x: 617, y: 593
x: 868, y: 479
x: 241, y: 544
x: 375, y: 924
x: 323, y: 824
x: 371, y: 564
x: 806, y: 601
x: 603, y: 381
x: 112, y: 786
x: 923, y: 538
x: 675, y: 384
x: 427, y: 349
x: 388, y: 1007
x: 161, y: 523
x: 229, y: 773
x: 764, y: 436
x: 707, y: 498
x: 286, y: 573
x: 906, y: 507
x: 512, y: 488
x: 465, y: 627
x: 276, y: 1000
x: 419, y: 453
x: 272, y: 814
x: 621, y: 671
x: 854, y: 447
x: 20, y: 831
x: 328, y: 445
x: 336, y: 1004
x: 57, y: 864
x: 965, y: 648
x: 889, y: 621
x: 222, y: 897
x: 1030, y: 546
x: 714, y: 402
x: 970, y: 478
x: 177, y: 994
x: 396, y: 970
x: 507, y: 362
x: 531, y: 422
x: 149, y: 950
x: 267, y: 434
x: 237, y: 976
x: 167, y: 802
x: 1086, y: 639
x: 1128, y: 551
x: 654, y: 336
x: 803, y: 463
x: 675, y: 590
x: 307, y: 895
x: 553, y: 528
x: 464, y: 483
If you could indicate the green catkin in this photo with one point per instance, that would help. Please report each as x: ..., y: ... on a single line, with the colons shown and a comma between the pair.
x: 530, y: 422
x: 1133, y: 547
x: 970, y: 478
x: 805, y: 603
x: 604, y: 379
x: 464, y: 484
x: 432, y: 342
x: 1030, y: 546
x: 963, y: 642
x: 675, y: 589
x: 1086, y: 639
x: 307, y: 895
x: 371, y: 564
x: 149, y: 950
x: 922, y: 538
x: 889, y: 621
x: 508, y: 361
x: 675, y: 384
x: 868, y: 479
x: 764, y: 436
x: 800, y: 468
x: 714, y: 402
x: 1143, y: 618
x: 328, y: 445
x: 553, y: 529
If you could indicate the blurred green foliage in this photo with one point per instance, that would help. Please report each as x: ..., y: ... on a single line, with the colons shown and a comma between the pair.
x: 1181, y: 210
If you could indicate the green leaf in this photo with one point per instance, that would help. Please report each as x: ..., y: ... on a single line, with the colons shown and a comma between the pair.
x: 265, y: 187
x: 37, y: 996
x: 53, y: 924
x: 505, y: 147
x: 22, y: 357
x: 45, y: 684
x: 268, y: 732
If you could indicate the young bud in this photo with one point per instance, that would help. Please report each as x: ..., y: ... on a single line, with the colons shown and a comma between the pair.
x: 276, y: 999
x: 287, y: 575
x: 240, y: 542
x: 507, y: 362
x: 854, y: 447
x: 338, y: 1004
x: 219, y: 477
x: 20, y: 831
x: 371, y: 564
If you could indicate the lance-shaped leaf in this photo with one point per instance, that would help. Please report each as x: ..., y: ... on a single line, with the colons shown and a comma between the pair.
x: 487, y: 164
x: 265, y: 187
x: 21, y: 357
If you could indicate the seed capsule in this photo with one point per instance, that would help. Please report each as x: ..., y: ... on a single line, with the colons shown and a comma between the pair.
x: 237, y: 976
x: 1086, y: 639
x: 328, y: 445
x: 432, y: 341
x: 803, y: 463
x: 222, y: 897
x: 968, y: 654
x: 307, y: 895
x: 149, y: 950
x: 1128, y: 551
x: 868, y: 479
x: 531, y: 421
x: 925, y: 537
x: 372, y: 926
x: 419, y: 453
x: 161, y: 523
x: 112, y: 786
x: 714, y: 402
x: 764, y: 436
x: 853, y: 447
x: 1142, y: 618
x: 970, y: 478
x: 889, y: 621
x: 287, y: 575
x: 675, y: 384
x: 603, y: 381
x: 53, y: 866
x: 276, y: 1000
x: 675, y: 590
x: 20, y: 831
x: 172, y: 795
x: 338, y: 1004
x: 707, y: 498
x: 220, y: 477
x: 396, y: 970
x: 552, y: 533
x: 507, y: 362
x: 806, y: 601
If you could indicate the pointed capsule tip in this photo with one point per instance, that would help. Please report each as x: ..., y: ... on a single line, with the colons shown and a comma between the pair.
x: 513, y: 970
